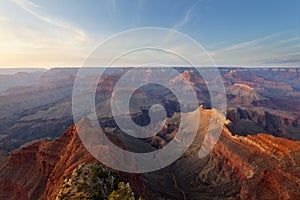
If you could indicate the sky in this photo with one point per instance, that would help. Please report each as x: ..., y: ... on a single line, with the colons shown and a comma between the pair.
x: 62, y: 33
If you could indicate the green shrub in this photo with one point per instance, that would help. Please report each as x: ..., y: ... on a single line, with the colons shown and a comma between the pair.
x: 124, y: 192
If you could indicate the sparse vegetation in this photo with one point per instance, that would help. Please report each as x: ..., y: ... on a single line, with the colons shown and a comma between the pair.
x: 94, y: 182
x: 124, y: 192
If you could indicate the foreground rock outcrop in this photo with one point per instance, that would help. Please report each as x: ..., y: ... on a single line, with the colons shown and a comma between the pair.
x: 252, y: 167
x: 38, y: 170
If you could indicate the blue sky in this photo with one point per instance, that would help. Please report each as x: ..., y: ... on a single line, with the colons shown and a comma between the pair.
x: 234, y: 32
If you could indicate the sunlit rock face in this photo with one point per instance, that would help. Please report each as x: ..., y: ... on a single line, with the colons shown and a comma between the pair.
x: 257, y: 166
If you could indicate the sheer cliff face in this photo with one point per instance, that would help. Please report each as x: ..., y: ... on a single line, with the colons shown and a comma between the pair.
x: 252, y: 121
x: 32, y: 166
x: 252, y: 167
x: 38, y: 170
x: 264, y: 167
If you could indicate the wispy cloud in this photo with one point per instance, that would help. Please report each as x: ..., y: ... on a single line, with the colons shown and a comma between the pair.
x: 248, y: 44
x: 139, y: 12
x: 43, y: 41
x: 112, y: 8
x: 297, y: 46
x: 186, y: 18
x: 293, y: 39
x: 113, y: 4
x: 278, y: 48
x: 3, y: 18
x: 292, y: 59
x: 31, y: 8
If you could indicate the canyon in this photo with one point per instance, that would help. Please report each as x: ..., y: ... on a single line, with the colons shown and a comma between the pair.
x: 241, y: 167
x: 256, y: 157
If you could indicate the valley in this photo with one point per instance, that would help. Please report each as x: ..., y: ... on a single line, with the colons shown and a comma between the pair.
x: 256, y: 157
